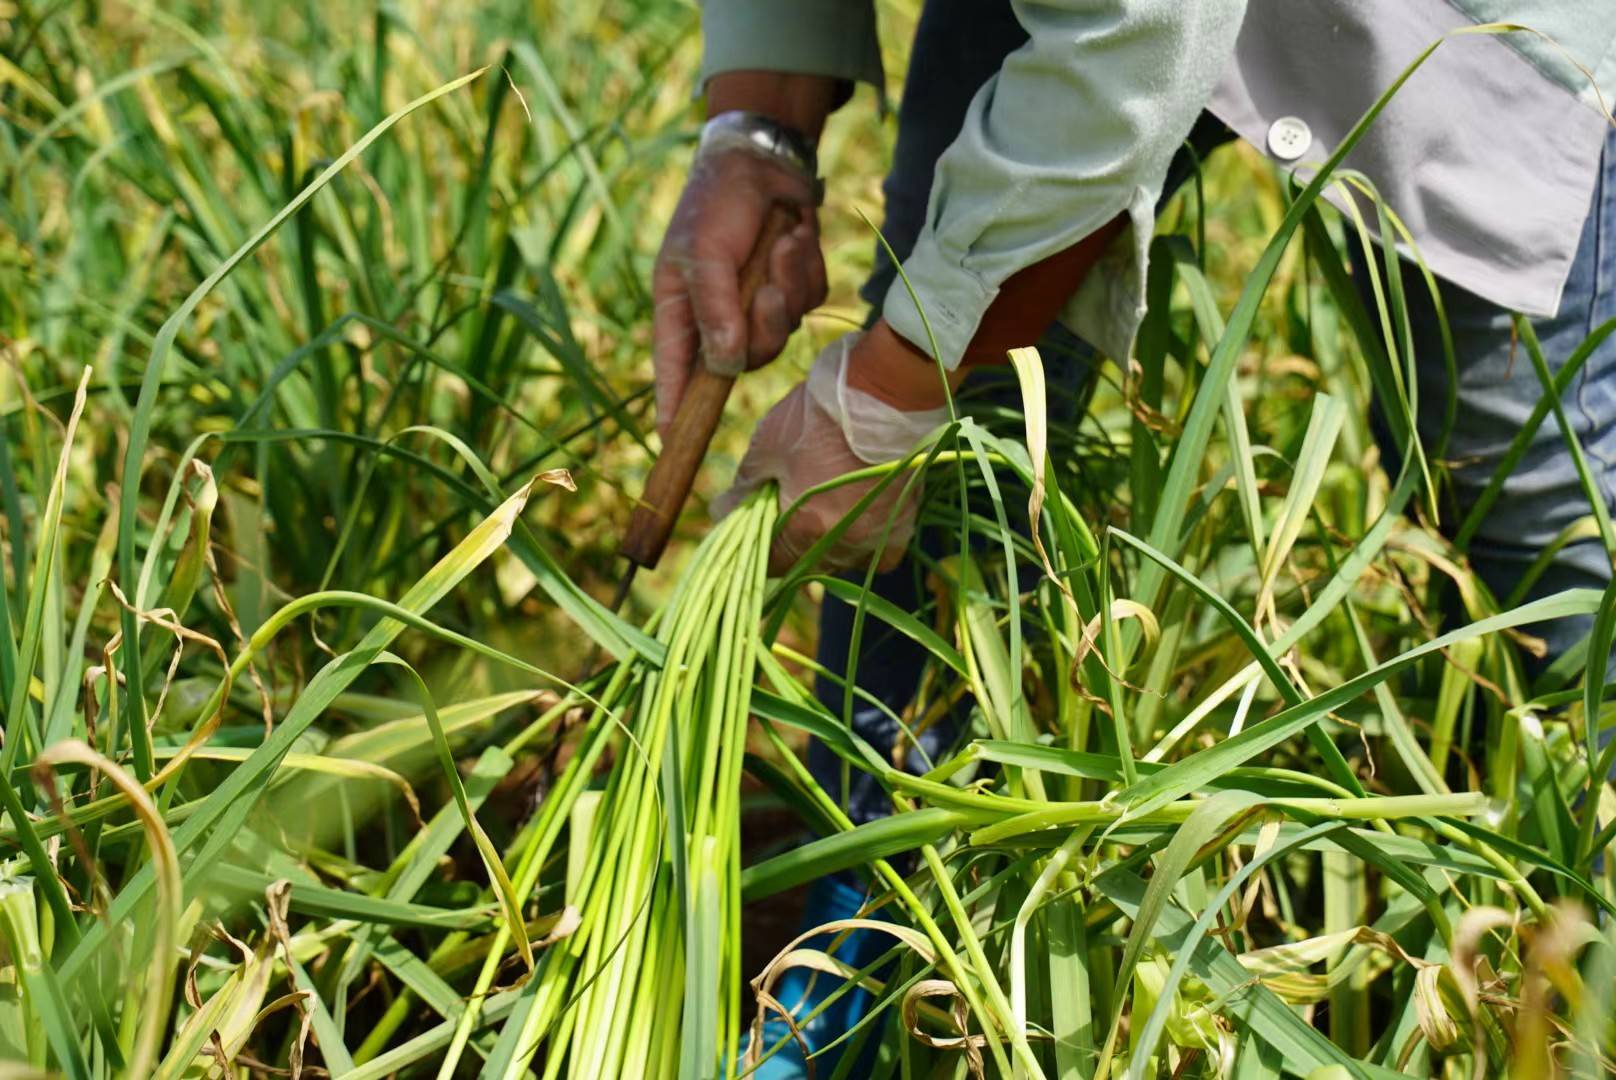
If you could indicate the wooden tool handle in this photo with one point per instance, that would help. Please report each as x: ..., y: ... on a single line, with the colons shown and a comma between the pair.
x: 700, y: 409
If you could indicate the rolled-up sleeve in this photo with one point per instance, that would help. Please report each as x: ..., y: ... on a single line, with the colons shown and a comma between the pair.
x: 805, y: 37
x: 1078, y: 126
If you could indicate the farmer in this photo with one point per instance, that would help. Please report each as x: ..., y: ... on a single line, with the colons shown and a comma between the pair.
x: 1035, y: 141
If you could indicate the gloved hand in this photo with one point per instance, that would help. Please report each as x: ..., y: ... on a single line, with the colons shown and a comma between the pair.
x: 695, y: 285
x: 820, y: 430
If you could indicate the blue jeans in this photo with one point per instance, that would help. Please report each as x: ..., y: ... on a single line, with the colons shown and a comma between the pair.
x: 958, y: 45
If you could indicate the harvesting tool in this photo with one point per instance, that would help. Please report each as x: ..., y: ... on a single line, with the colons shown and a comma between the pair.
x: 668, y: 486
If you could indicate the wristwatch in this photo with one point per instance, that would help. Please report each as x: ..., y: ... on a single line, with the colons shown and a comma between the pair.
x: 742, y: 130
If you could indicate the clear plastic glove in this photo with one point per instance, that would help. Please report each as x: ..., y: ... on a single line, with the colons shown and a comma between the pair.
x: 695, y: 285
x: 820, y: 430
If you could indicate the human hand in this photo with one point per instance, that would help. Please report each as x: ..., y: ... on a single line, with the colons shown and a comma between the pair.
x: 695, y: 285
x: 823, y: 429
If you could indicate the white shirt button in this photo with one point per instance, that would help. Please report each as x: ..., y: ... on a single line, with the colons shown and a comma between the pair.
x: 1289, y: 138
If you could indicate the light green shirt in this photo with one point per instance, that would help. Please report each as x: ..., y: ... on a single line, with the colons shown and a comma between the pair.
x: 1080, y: 124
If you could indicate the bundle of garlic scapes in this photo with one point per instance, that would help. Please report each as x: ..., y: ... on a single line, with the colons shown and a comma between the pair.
x: 648, y: 980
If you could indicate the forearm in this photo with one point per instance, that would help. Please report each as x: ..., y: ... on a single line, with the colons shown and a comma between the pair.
x: 903, y: 374
x: 800, y: 102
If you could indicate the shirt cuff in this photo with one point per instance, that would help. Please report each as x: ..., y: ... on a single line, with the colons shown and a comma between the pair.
x: 1105, y: 311
x: 803, y: 37
x: 951, y: 301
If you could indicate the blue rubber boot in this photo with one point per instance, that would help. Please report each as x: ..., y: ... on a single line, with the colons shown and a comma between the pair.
x: 829, y: 898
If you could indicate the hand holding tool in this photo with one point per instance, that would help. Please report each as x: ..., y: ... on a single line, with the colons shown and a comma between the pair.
x: 668, y: 486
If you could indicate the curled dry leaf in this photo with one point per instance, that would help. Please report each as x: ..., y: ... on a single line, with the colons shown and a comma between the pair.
x: 559, y: 477
x: 958, y: 1012
x: 791, y: 956
x: 1436, y: 1022
x: 1549, y: 971
x: 1473, y: 926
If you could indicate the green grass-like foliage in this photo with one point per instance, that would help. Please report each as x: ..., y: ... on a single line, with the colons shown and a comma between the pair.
x: 324, y: 395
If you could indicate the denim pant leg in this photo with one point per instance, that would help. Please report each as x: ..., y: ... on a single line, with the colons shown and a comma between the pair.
x: 958, y: 46
x: 1497, y: 390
